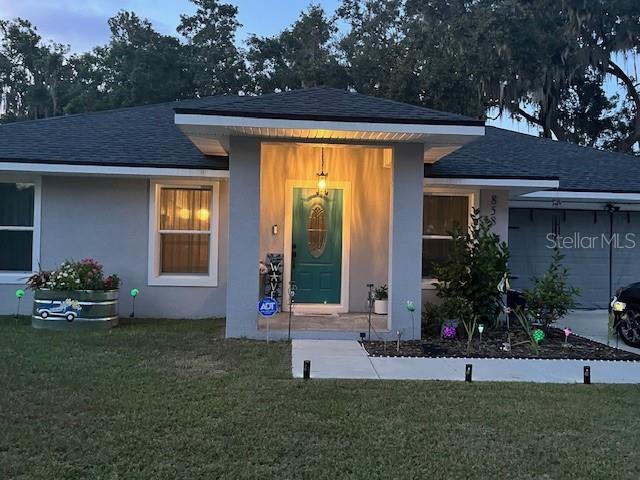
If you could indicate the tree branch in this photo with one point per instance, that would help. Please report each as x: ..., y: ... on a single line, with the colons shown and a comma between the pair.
x: 627, y: 144
x: 528, y: 117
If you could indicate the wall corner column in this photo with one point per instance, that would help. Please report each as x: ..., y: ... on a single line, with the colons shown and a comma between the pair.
x: 405, y: 265
x: 244, y: 237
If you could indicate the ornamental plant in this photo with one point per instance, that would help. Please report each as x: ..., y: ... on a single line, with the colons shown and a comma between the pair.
x: 382, y: 292
x: 475, y: 265
x: 86, y: 274
x: 551, y: 297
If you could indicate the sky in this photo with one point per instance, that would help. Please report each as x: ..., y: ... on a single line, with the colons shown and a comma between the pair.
x: 82, y: 24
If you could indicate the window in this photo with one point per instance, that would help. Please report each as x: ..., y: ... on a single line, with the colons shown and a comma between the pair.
x: 184, y: 219
x: 19, y: 230
x: 440, y: 215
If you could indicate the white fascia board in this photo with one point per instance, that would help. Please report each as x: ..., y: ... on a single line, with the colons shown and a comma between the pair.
x: 548, y: 204
x: 630, y: 197
x: 110, y: 170
x: 224, y: 121
x: 493, y: 182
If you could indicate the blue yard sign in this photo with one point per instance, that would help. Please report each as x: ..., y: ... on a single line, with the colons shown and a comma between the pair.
x: 268, y: 307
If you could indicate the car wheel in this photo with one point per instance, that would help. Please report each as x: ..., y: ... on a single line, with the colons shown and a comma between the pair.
x: 44, y: 314
x: 70, y: 317
x: 629, y: 328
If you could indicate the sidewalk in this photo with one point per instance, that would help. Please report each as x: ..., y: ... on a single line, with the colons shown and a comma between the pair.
x: 346, y: 359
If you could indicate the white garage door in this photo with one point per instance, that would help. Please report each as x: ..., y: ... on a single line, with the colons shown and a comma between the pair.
x: 583, y: 236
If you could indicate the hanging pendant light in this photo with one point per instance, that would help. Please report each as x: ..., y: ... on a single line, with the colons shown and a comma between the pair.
x: 323, y: 189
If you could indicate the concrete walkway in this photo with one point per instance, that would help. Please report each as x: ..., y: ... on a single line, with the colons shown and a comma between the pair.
x: 593, y: 324
x: 347, y: 359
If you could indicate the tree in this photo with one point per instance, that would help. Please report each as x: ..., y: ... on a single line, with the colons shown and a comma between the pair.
x: 374, y: 50
x: 554, y: 59
x: 301, y: 56
x: 32, y: 75
x: 214, y: 63
x: 139, y: 65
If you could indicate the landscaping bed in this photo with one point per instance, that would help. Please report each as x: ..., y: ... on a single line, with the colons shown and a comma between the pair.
x: 491, y: 346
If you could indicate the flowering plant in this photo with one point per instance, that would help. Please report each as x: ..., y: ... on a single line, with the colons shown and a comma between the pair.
x: 86, y: 274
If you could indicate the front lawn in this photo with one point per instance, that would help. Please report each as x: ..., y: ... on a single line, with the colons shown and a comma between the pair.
x: 171, y: 399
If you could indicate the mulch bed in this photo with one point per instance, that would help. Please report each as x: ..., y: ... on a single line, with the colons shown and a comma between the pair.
x: 552, y: 347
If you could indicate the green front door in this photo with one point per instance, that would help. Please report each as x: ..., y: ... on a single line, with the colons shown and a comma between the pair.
x: 317, y: 246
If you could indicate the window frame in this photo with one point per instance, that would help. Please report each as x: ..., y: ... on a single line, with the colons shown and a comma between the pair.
x: 8, y: 277
x: 428, y: 283
x: 154, y: 277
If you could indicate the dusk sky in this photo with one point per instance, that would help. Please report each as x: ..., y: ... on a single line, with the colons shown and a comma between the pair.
x: 82, y: 24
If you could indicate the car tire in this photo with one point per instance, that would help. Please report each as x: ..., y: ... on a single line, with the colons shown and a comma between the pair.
x: 628, y: 328
x: 70, y: 317
x: 44, y: 314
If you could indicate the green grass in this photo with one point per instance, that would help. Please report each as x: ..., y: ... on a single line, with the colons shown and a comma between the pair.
x: 172, y: 399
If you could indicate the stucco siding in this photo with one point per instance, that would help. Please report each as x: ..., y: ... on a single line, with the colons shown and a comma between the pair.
x: 108, y: 219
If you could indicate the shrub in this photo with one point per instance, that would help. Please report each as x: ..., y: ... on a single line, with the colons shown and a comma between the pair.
x: 86, y: 274
x: 476, y: 263
x: 551, y: 297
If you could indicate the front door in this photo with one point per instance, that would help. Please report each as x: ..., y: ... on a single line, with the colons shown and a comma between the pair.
x: 316, y: 265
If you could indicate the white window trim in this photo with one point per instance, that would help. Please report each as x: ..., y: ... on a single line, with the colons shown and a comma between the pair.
x: 154, y: 278
x: 19, y: 278
x: 473, y: 196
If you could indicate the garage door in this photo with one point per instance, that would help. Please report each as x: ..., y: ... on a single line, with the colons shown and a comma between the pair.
x: 584, y: 236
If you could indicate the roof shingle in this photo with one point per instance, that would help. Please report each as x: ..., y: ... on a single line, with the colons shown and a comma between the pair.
x: 506, y: 154
x: 329, y: 104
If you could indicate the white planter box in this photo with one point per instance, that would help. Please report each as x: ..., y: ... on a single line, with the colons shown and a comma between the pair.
x: 381, y: 307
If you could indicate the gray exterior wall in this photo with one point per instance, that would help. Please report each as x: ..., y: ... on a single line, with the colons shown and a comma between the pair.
x: 405, y: 270
x: 108, y: 219
x: 244, y: 224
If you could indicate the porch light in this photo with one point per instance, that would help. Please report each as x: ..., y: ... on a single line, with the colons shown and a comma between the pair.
x: 322, y: 191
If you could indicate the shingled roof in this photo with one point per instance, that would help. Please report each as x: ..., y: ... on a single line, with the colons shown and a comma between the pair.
x: 146, y: 136
x: 327, y: 104
x: 506, y: 154
x: 138, y: 136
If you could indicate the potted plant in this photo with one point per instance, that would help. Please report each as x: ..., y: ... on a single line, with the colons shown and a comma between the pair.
x: 76, y: 294
x: 381, y: 302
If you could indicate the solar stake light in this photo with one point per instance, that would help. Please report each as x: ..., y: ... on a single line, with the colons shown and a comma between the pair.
x: 19, y: 295
x: 538, y: 335
x: 412, y: 308
x: 370, y: 305
x: 468, y: 370
x: 481, y: 329
x: 306, y: 369
x: 134, y: 293
x: 587, y: 375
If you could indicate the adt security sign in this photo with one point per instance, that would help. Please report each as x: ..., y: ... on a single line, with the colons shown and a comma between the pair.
x: 268, y: 307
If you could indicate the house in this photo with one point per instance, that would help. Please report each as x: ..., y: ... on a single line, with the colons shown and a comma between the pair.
x: 332, y: 191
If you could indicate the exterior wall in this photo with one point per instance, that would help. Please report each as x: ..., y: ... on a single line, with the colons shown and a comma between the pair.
x: 108, y: 219
x: 495, y: 204
x: 244, y: 247
x: 364, y: 169
x: 405, y: 271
